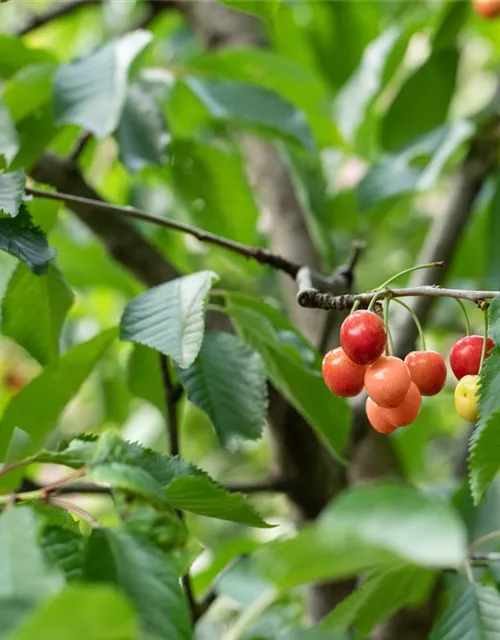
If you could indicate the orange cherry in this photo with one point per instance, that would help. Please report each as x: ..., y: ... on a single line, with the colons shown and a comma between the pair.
x: 387, y: 381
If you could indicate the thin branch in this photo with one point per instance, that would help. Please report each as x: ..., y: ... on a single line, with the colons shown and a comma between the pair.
x: 263, y: 256
x: 57, y: 11
x: 269, y: 485
x: 314, y: 299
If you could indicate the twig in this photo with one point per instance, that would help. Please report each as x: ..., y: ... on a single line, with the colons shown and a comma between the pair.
x: 59, y: 10
x: 263, y: 256
x: 269, y: 485
x: 314, y: 299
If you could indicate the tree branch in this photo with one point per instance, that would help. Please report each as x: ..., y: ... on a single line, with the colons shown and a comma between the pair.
x: 269, y: 485
x: 57, y: 11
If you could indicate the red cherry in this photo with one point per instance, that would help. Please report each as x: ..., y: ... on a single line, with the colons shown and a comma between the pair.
x: 363, y: 337
x: 465, y: 355
x: 377, y: 419
x: 387, y: 382
x: 427, y: 370
x: 407, y: 411
x: 342, y: 376
x: 487, y: 8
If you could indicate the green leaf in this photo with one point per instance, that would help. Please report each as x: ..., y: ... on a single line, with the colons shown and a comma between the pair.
x: 76, y: 454
x: 423, y: 101
x: 170, y: 317
x: 11, y: 192
x: 64, y: 548
x: 50, y: 392
x: 18, y: 447
x: 23, y: 572
x: 399, y: 173
x: 14, y: 55
x: 34, y: 309
x: 492, y: 232
x: 144, y: 376
x: 227, y: 381
x: 81, y: 613
x: 20, y: 237
x: 141, y: 133
x: 29, y: 90
x: 294, y: 367
x: 9, y: 144
x: 201, y: 495
x: 378, y: 598
x: 146, y: 575
x: 91, y: 91
x: 370, y: 527
x: 247, y: 106
x: 475, y: 615
x: 266, y: 10
x: 12, y: 612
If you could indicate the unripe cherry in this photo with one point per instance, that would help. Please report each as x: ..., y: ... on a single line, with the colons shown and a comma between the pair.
x: 342, y: 376
x: 387, y: 381
x: 465, y: 355
x: 407, y: 412
x: 427, y: 370
x: 377, y: 419
x: 363, y: 337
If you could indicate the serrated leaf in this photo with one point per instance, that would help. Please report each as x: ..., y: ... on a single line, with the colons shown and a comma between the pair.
x: 142, y: 133
x: 34, y: 309
x: 23, y: 572
x: 247, y: 106
x: 294, y: 367
x: 370, y: 527
x: 11, y: 192
x: 144, y: 376
x: 91, y: 91
x: 378, y: 598
x: 170, y: 317
x: 81, y: 612
x: 228, y: 381
x: 9, y: 143
x: 475, y: 615
x: 65, y: 549
x: 146, y: 575
x: 423, y: 101
x: 131, y: 479
x: 76, y: 454
x: 20, y: 237
x: 50, y: 392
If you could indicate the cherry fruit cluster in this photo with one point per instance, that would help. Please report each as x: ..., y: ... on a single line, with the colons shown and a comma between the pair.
x: 395, y: 387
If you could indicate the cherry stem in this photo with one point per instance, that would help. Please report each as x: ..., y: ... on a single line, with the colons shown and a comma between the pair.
x: 387, y: 302
x: 356, y: 306
x: 488, y: 537
x: 485, y: 340
x: 466, y: 317
x: 416, y: 320
x: 429, y: 265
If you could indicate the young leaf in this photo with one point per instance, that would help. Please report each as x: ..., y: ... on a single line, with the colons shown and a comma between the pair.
x: 370, y: 527
x: 170, y: 317
x: 34, y: 309
x: 23, y: 572
x: 247, y: 106
x: 146, y: 575
x: 11, y: 192
x: 20, y: 237
x: 83, y: 612
x: 38, y: 406
x: 91, y: 91
x: 227, y: 381
x: 475, y: 615
x: 9, y: 144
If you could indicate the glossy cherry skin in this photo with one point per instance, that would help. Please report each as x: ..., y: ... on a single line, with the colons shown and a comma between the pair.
x: 342, y: 376
x: 363, y: 337
x: 465, y: 355
x: 387, y: 382
x: 427, y: 370
x: 377, y: 419
x: 407, y: 412
x: 467, y: 399
x: 487, y: 8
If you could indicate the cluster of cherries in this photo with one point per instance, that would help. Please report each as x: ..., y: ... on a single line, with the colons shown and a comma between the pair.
x: 395, y: 387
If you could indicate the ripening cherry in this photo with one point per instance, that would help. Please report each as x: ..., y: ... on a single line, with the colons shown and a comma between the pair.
x: 407, y: 412
x: 387, y: 381
x: 467, y: 399
x: 487, y: 8
x: 465, y: 355
x: 427, y: 370
x: 342, y: 376
x: 363, y: 337
x: 377, y: 419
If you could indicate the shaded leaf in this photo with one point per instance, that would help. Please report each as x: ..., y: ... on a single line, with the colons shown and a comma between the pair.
x: 9, y: 144
x: 12, y: 612
x: 91, y: 91
x: 146, y: 575
x: 144, y: 376
x: 34, y: 309
x: 170, y: 317
x: 227, y: 381
x: 11, y: 192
